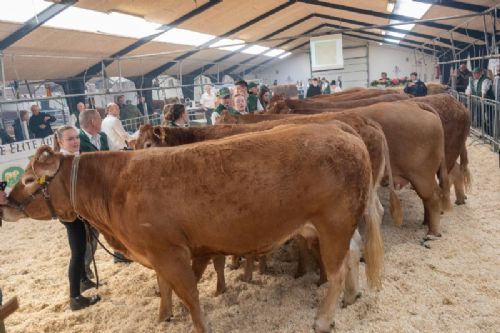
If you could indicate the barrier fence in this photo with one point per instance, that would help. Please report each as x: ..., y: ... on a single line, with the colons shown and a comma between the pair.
x: 485, y: 117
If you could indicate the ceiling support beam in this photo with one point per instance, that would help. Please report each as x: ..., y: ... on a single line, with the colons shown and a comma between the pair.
x: 34, y: 22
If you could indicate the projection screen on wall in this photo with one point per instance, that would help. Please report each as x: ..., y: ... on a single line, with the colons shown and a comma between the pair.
x: 326, y: 52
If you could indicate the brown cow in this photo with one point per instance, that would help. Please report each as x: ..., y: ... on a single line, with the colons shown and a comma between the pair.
x: 454, y: 118
x: 413, y: 159
x: 354, y: 94
x: 456, y: 125
x: 370, y: 132
x: 280, y: 105
x: 249, y: 194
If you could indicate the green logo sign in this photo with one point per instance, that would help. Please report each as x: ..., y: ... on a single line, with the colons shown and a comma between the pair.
x: 12, y: 175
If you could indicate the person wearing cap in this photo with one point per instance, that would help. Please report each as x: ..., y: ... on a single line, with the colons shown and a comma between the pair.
x: 224, y: 104
x: 480, y: 85
x: 415, y: 87
x: 253, y: 103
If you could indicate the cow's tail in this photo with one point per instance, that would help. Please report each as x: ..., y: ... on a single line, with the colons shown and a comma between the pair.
x: 464, y: 169
x: 395, y: 204
x: 373, y: 244
x: 444, y: 184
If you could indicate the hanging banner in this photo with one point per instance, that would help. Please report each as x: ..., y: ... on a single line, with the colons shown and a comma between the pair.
x: 15, y: 156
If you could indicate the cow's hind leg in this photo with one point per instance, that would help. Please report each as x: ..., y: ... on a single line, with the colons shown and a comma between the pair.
x: 351, y: 288
x: 335, y: 235
x: 219, y: 263
x: 176, y: 270
x: 166, y: 299
x: 429, y: 192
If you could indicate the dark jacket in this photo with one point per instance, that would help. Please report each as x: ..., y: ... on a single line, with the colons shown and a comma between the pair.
x: 140, y: 106
x: 313, y: 91
x: 5, y: 137
x: 36, y: 121
x: 18, y: 131
x: 418, y: 89
x: 86, y: 146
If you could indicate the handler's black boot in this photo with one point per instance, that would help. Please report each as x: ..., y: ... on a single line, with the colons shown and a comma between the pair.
x: 81, y: 302
x: 86, y: 284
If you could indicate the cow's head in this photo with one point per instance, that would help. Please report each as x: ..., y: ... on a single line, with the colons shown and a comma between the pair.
x: 39, y: 182
x: 277, y: 105
x: 226, y: 118
x: 150, y: 136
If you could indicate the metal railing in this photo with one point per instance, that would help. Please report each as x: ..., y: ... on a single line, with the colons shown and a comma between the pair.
x: 485, y: 117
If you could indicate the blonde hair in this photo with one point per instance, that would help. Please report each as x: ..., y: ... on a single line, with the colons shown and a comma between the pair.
x: 58, y: 134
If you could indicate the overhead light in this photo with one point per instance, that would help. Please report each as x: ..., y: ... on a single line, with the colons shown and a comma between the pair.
x: 380, y: 44
x: 382, y: 32
x: 390, y: 5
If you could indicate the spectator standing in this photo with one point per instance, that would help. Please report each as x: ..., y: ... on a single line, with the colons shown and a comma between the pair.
x: 253, y: 103
x: 415, y: 86
x: 177, y: 116
x: 207, y: 102
x: 240, y: 104
x: 129, y: 111
x: 314, y: 89
x: 463, y: 75
x: 325, y: 87
x: 4, y: 137
x: 224, y: 104
x: 120, y: 101
x: 334, y: 88
x: 74, y: 119
x: 112, y: 126
x: 143, y: 106
x: 39, y: 123
x: 264, y: 96
x: 480, y: 85
x: 21, y: 130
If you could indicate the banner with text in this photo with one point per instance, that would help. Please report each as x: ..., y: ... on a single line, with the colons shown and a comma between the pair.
x: 14, y: 158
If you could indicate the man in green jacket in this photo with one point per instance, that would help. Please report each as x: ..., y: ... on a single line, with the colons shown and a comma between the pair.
x: 253, y: 103
x: 224, y: 103
x: 92, y: 140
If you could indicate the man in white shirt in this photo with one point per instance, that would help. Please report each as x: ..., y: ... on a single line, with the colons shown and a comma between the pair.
x: 21, y: 130
x: 207, y: 102
x: 74, y: 118
x: 112, y: 126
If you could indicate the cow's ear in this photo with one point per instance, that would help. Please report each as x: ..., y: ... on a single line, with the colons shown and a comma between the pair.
x: 45, y: 162
x: 145, y: 128
x: 159, y: 133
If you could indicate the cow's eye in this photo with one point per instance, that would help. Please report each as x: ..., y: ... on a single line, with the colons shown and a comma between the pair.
x: 147, y: 144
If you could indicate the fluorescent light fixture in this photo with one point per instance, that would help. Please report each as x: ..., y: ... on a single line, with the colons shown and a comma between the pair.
x: 184, y: 37
x: 255, y: 49
x: 225, y: 44
x: 274, y: 52
x: 285, y: 55
x: 114, y: 23
x: 390, y: 40
x: 380, y: 43
x: 21, y: 10
x: 382, y: 32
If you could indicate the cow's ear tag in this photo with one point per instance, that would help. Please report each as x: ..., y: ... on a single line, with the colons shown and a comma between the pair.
x: 41, y: 180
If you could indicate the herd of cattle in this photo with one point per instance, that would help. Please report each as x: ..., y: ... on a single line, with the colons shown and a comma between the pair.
x: 305, y: 170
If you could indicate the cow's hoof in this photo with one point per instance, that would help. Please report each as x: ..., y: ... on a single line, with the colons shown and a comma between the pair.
x: 299, y: 274
x: 245, y: 278
x: 459, y: 202
x: 219, y: 292
x: 321, y: 281
x: 327, y: 329
x: 346, y: 302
